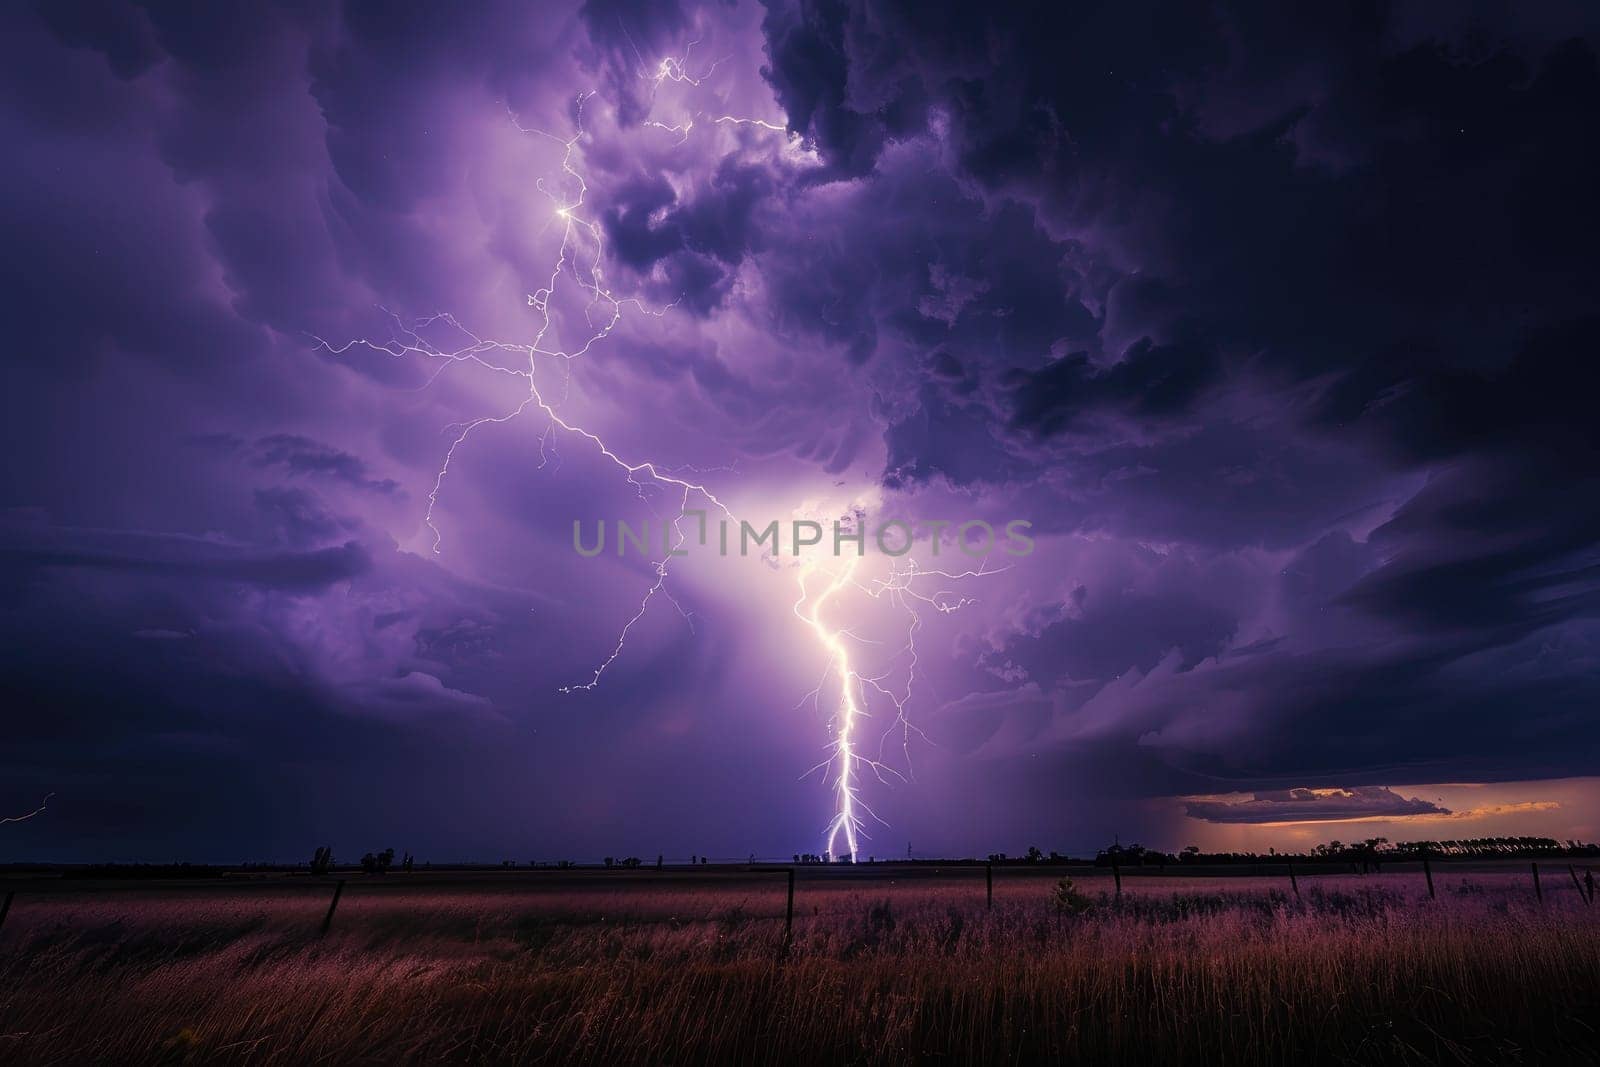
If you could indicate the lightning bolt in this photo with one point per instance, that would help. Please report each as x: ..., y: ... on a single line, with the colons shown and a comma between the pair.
x: 763, y: 123
x: 579, y: 258
x: 676, y: 69
x: 841, y: 764
x: 846, y: 761
x: 36, y: 811
x: 544, y: 366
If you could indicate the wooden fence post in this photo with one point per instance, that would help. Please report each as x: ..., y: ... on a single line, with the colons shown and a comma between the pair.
x: 1538, y: 890
x: 1116, y: 872
x: 1587, y: 899
x: 5, y: 908
x: 1293, y: 884
x: 988, y: 883
x: 1427, y: 870
x: 788, y: 914
x: 327, y: 921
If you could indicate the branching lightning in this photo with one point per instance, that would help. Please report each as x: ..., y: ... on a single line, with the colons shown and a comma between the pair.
x: 579, y: 262
x: 840, y: 766
x: 846, y: 761
x: 763, y: 123
x: 586, y: 271
x: 676, y: 69
x: 43, y: 804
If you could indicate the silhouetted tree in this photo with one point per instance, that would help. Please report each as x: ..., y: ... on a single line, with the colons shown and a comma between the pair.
x: 378, y: 862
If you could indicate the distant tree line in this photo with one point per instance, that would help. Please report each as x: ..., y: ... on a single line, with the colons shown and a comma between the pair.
x: 1370, y: 853
x: 371, y: 862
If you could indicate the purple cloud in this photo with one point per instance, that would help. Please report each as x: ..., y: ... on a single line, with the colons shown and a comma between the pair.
x: 1245, y: 311
x: 1313, y: 805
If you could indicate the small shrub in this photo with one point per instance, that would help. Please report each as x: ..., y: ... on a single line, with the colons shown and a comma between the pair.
x: 953, y: 928
x: 1069, y: 899
x: 733, y: 919
x: 880, y: 921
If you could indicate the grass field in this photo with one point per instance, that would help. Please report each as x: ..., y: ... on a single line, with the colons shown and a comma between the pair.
x: 884, y: 966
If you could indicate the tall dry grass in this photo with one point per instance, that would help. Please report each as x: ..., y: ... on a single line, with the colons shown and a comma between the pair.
x: 1200, y: 971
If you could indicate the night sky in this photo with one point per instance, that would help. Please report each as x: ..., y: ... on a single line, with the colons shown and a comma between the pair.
x: 1279, y: 327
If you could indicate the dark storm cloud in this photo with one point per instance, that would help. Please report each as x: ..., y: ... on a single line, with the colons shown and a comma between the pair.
x: 819, y: 52
x: 304, y: 571
x: 1490, y: 546
x: 909, y: 257
x: 719, y: 221
x: 699, y: 241
x: 1132, y: 120
x: 1422, y: 262
x: 1133, y: 627
x: 1275, y: 322
x: 1308, y: 805
x: 297, y: 454
x: 1322, y: 260
x: 644, y: 241
x: 949, y: 438
x: 1276, y: 711
x: 1148, y: 382
x: 629, y: 36
x: 206, y: 615
x: 119, y: 31
x: 29, y: 547
x: 636, y: 239
x: 298, y: 517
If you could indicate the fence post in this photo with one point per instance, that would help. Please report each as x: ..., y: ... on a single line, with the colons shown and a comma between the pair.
x: 1587, y: 899
x: 338, y: 891
x: 1427, y: 870
x: 1293, y: 884
x: 788, y: 914
x: 1116, y: 872
x: 1538, y: 890
x: 5, y: 908
x: 988, y: 883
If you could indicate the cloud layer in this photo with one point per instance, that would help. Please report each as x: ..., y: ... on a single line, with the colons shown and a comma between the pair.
x: 1313, y: 805
x: 1276, y: 325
